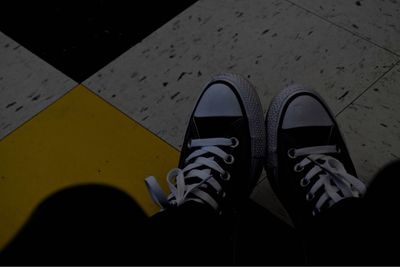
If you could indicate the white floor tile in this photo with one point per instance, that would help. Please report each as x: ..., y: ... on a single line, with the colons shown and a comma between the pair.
x: 27, y: 85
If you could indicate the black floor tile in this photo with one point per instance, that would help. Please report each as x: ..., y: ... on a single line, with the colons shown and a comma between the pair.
x: 81, y: 37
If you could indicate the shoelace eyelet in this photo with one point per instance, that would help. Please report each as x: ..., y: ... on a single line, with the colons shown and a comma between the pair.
x: 235, y: 142
x: 225, y: 176
x: 291, y: 153
x: 229, y: 159
x: 304, y: 182
x: 309, y: 196
x: 298, y: 168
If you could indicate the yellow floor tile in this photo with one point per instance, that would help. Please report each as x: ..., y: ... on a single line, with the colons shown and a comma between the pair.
x: 79, y: 139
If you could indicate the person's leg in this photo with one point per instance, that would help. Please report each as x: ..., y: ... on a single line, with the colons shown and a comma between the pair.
x: 370, y: 225
x: 382, y: 217
x: 336, y: 237
x: 82, y: 225
x: 101, y: 225
x: 196, y: 235
x: 191, y: 234
x: 221, y: 160
x: 311, y: 171
x: 263, y: 239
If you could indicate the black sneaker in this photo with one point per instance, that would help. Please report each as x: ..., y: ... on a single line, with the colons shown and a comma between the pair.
x: 223, y: 150
x: 307, y: 163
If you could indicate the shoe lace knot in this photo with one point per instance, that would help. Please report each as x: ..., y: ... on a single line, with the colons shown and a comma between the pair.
x: 203, y: 168
x: 332, y: 177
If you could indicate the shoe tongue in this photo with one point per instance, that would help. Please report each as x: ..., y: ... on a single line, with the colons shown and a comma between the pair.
x: 214, y: 127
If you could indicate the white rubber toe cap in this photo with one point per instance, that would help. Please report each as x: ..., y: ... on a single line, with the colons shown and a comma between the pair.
x: 218, y: 101
x: 305, y: 111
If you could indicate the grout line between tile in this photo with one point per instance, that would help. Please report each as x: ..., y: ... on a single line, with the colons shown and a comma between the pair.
x: 129, y: 117
x: 372, y: 84
x: 343, y: 28
x: 42, y: 110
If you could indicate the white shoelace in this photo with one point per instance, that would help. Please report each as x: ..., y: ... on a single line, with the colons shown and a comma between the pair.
x: 176, y: 178
x: 332, y: 176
